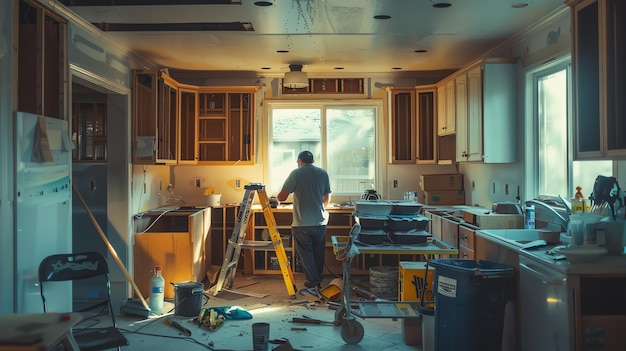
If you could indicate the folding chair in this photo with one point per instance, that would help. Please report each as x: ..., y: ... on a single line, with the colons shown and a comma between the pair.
x: 92, y: 270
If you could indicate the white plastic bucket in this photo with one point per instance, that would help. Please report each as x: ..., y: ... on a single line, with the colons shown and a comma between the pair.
x: 213, y: 200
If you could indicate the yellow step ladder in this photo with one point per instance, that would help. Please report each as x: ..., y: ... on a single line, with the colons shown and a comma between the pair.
x: 237, y: 242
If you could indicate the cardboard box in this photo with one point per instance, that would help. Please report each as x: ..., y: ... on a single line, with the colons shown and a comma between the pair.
x: 442, y: 197
x: 411, y: 279
x: 485, y: 220
x: 429, y: 182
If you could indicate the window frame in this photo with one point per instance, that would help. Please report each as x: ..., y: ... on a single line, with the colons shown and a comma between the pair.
x: 531, y: 128
x: 323, y: 105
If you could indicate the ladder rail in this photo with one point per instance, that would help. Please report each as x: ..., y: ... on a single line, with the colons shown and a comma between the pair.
x: 237, y: 242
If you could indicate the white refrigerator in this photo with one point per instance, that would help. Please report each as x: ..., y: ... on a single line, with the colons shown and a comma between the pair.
x: 43, y: 207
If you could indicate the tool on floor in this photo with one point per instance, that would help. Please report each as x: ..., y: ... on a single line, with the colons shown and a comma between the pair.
x: 311, y: 321
x: 129, y: 307
x: 178, y: 326
x: 237, y: 242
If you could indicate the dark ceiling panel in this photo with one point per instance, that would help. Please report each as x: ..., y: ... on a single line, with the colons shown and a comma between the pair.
x: 174, y: 27
x: 146, y: 2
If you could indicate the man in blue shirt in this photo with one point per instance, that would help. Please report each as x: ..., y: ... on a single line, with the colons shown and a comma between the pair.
x: 310, y: 186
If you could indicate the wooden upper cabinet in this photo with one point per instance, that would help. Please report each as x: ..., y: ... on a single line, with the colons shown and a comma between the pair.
x: 598, y: 56
x: 486, y: 112
x: 187, y: 124
x: 413, y: 125
x: 226, y: 125
x: 403, y: 129
x: 41, y: 61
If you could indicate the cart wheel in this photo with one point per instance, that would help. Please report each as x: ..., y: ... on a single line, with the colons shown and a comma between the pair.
x: 352, y: 331
x: 340, y: 315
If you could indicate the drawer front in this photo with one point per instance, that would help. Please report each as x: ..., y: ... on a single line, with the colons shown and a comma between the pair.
x: 466, y: 237
x: 450, y: 231
x: 466, y: 253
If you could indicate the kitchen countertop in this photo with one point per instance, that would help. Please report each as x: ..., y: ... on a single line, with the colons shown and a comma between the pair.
x: 607, y: 264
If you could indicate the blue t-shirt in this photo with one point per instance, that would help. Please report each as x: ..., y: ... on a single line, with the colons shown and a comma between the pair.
x: 308, y: 184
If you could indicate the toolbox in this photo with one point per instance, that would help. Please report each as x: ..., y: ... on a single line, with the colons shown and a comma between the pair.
x: 410, y: 280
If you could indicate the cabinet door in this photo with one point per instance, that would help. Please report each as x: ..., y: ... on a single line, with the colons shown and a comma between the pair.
x: 474, y: 134
x: 447, y: 122
x: 144, y: 115
x: 426, y: 142
x: 188, y: 126
x: 167, y: 123
x: 462, y: 123
x: 402, y: 126
x: 599, y: 78
x: 441, y: 109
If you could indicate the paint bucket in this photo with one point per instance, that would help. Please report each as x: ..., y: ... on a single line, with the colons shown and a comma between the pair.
x: 188, y: 299
x: 213, y: 200
x: 384, y: 282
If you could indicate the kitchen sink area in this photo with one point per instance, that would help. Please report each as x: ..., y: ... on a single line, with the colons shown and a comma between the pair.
x: 553, y: 288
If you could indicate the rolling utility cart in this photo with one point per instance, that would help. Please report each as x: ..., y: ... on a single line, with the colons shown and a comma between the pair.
x: 345, y: 249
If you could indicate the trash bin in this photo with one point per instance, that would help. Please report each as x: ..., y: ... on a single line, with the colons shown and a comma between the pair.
x: 470, y: 299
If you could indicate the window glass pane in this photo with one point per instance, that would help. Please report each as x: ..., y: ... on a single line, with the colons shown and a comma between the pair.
x: 293, y: 130
x: 342, y: 139
x: 556, y: 175
x: 552, y: 95
x: 350, y: 150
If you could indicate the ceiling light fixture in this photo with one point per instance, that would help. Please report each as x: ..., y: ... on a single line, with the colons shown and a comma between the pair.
x: 440, y: 4
x: 295, y: 78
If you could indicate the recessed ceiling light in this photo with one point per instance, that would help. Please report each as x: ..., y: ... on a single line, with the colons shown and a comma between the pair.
x: 421, y: 50
x: 382, y: 17
x: 282, y: 51
x: 440, y: 4
x: 263, y: 3
x: 519, y: 5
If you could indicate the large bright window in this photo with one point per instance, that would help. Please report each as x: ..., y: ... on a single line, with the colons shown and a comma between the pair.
x: 556, y: 172
x: 341, y: 137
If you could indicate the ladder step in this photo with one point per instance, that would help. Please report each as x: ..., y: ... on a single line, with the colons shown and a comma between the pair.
x: 251, y: 244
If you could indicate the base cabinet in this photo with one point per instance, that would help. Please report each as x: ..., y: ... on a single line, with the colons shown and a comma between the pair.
x: 175, y: 241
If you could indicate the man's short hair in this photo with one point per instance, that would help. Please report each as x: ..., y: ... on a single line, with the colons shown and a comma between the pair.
x: 306, y: 157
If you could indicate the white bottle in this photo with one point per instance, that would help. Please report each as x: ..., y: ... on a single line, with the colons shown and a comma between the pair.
x: 529, y: 217
x: 157, y: 284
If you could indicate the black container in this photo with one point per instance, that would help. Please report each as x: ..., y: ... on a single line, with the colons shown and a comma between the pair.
x: 470, y: 298
x: 372, y: 222
x: 188, y: 299
x: 403, y: 224
x: 373, y: 237
x: 406, y: 208
x: 411, y: 237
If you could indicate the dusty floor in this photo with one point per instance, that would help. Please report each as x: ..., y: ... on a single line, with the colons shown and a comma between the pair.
x: 271, y: 304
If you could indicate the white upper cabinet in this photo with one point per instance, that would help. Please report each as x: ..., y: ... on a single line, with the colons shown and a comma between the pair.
x: 446, y: 111
x: 486, y: 113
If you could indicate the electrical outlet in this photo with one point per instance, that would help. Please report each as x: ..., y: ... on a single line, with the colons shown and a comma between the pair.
x: 237, y: 183
x: 197, y: 182
x: 395, y: 183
